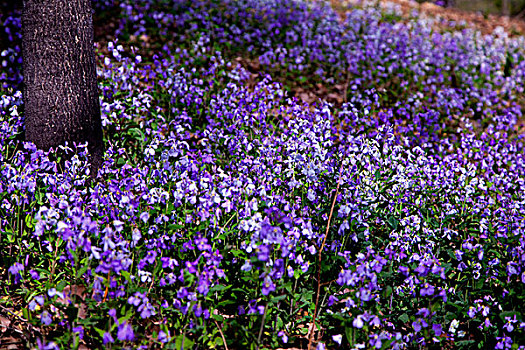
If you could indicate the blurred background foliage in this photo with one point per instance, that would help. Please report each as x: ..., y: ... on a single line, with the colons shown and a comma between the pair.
x: 514, y: 8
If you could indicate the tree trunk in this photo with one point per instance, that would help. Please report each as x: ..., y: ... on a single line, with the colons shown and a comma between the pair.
x: 505, y: 7
x: 60, y: 92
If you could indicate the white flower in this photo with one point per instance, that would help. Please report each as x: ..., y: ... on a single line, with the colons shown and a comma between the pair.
x: 453, y: 326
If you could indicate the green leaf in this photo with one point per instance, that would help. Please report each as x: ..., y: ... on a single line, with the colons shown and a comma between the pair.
x: 404, y: 318
x: 508, y: 65
x: 219, y: 288
x: 504, y: 314
x: 388, y: 291
x: 436, y: 306
x: 127, y: 316
x: 278, y: 298
x: 280, y: 322
x: 183, y: 342
x: 386, y: 344
x: 125, y: 274
x: 29, y: 221
x: 218, y: 318
x: 99, y: 331
x: 88, y: 322
x: 26, y: 314
x: 466, y: 343
x: 393, y: 222
x: 348, y: 334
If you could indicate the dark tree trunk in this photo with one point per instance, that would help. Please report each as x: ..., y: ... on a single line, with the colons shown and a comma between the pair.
x: 60, y: 82
x: 505, y: 7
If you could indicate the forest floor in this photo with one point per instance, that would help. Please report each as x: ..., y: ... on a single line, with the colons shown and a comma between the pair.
x: 336, y: 93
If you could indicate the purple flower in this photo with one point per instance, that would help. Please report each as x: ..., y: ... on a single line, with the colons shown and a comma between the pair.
x: 35, y: 275
x: 135, y: 300
x: 375, y: 321
x: 113, y: 314
x: 163, y: 337
x: 511, y: 268
x: 404, y: 270
x: 375, y: 341
x: 48, y: 346
x: 203, y: 286
x: 197, y: 310
x: 487, y: 323
x: 144, y: 216
x: 125, y: 332
x: 443, y: 295
x: 15, y: 271
x: 40, y: 300
x: 45, y: 318
x: 241, y: 310
x: 202, y: 243
x: 146, y: 310
x: 509, y: 323
x: 358, y: 322
x: 290, y: 271
x: 107, y: 338
x: 268, y: 286
x: 247, y: 266
x: 480, y: 254
x: 437, y: 329
x: 424, y: 312
x: 503, y: 343
x: 331, y: 300
x: 284, y: 337
x: 263, y: 253
x: 80, y: 331
x: 182, y: 293
x: 427, y: 290
x: 364, y: 294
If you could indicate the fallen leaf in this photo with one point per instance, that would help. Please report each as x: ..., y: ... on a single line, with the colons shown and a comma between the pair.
x: 10, y: 343
x: 4, y: 323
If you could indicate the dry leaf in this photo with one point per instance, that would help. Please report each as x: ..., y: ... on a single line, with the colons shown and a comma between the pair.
x: 4, y: 323
x: 78, y: 291
x: 10, y: 343
x: 335, y: 97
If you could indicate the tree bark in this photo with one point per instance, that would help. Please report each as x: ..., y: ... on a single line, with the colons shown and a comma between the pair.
x: 60, y: 91
x: 505, y: 7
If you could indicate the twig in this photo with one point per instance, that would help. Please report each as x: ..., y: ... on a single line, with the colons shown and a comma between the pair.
x: 222, y: 335
x: 106, y: 291
x: 52, y: 274
x: 262, y: 327
x: 310, y: 338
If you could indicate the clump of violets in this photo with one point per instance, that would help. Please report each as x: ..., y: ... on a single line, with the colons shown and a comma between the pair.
x: 224, y: 204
